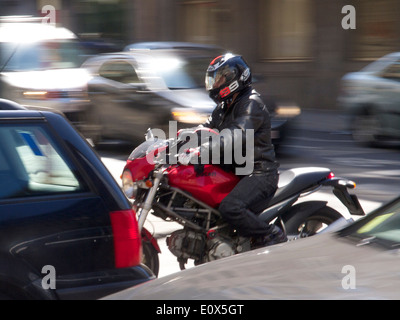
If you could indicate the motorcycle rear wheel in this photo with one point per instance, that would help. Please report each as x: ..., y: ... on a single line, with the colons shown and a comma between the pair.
x: 307, y: 226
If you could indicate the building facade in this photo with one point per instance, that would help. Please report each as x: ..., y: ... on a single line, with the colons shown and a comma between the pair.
x: 298, y: 49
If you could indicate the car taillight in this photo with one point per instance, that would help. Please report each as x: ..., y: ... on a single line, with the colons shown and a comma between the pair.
x: 127, y: 240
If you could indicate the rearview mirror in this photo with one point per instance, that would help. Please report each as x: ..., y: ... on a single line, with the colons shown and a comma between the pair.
x: 149, y: 134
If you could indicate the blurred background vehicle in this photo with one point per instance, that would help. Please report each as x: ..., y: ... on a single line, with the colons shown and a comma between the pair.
x: 133, y: 90
x: 213, y: 50
x: 371, y: 100
x: 60, y: 207
x: 357, y: 262
x: 152, y: 83
x: 40, y: 66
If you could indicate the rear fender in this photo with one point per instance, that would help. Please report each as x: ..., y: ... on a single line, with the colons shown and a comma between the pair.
x: 280, y: 208
x: 148, y: 237
x: 350, y: 201
x: 302, y: 211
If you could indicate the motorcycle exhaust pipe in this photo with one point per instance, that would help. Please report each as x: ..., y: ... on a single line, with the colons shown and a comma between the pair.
x: 337, y: 225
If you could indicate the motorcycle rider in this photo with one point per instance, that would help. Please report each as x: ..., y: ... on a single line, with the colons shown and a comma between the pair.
x: 239, y: 107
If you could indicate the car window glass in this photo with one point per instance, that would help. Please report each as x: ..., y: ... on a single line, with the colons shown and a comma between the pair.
x: 119, y: 71
x: 41, y: 55
x: 3, y: 162
x: 379, y: 65
x: 32, y: 165
x: 393, y: 71
x: 182, y: 73
x: 384, y: 226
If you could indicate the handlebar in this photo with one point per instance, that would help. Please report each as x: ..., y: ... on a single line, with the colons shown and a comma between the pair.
x: 169, y: 151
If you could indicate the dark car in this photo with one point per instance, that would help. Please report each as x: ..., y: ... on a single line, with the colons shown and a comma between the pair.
x: 360, y: 261
x: 66, y: 229
x: 152, y: 83
x: 132, y: 91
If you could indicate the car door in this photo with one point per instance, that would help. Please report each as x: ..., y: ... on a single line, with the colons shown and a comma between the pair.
x: 49, y: 212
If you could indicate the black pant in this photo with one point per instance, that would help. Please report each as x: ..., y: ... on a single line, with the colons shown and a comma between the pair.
x: 249, y: 191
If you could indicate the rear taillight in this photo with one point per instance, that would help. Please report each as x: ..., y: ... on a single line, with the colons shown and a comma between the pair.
x: 331, y: 175
x: 127, y: 240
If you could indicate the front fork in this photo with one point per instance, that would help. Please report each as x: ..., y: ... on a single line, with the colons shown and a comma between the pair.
x: 148, y: 202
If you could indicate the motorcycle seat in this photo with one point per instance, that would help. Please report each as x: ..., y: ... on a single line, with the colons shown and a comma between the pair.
x: 292, y: 182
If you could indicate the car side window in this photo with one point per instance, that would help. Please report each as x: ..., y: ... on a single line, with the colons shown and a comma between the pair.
x: 120, y: 71
x: 31, y: 164
x: 392, y: 71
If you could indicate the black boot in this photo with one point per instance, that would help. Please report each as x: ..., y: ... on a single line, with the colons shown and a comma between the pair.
x: 274, y: 236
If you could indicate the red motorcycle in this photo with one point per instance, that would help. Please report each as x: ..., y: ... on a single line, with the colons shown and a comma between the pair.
x: 190, y: 196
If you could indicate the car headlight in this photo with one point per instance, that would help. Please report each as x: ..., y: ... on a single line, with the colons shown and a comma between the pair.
x: 287, y: 111
x: 128, y: 185
x: 189, y: 116
x: 55, y: 94
x: 35, y: 95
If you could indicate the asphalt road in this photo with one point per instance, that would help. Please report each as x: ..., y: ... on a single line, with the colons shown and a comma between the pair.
x: 322, y: 139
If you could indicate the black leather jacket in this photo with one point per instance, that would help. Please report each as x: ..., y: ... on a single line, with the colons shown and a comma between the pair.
x: 246, y: 112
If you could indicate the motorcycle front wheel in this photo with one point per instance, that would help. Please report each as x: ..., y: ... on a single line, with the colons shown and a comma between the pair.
x: 304, y: 225
x: 150, y: 257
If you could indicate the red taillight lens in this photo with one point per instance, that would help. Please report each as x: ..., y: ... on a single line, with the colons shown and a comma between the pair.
x: 330, y: 175
x: 127, y: 240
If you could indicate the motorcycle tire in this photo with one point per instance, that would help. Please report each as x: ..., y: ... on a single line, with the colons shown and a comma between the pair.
x: 303, y: 224
x: 150, y: 257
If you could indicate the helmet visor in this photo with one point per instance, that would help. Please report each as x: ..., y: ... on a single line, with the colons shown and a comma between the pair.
x: 216, y: 79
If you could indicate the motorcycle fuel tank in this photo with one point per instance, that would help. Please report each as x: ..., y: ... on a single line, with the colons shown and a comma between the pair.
x: 211, y: 186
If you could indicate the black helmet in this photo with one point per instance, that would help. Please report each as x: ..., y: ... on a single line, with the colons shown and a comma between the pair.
x: 226, y: 75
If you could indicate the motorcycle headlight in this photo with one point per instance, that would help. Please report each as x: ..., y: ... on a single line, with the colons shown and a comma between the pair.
x: 189, y: 116
x: 287, y: 111
x: 128, y: 185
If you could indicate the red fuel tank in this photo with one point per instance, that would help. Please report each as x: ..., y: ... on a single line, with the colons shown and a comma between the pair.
x: 211, y: 186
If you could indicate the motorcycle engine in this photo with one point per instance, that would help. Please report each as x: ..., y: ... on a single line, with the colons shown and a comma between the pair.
x: 219, y: 248
x: 188, y: 244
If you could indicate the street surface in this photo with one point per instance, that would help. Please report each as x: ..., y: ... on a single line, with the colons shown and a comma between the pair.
x: 322, y: 139
x: 316, y: 139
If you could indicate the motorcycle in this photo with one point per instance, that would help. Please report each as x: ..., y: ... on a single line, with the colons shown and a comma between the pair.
x: 190, y: 195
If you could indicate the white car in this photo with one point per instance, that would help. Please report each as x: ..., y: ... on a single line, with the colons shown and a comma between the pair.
x: 40, y: 66
x: 360, y: 261
x: 371, y: 98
